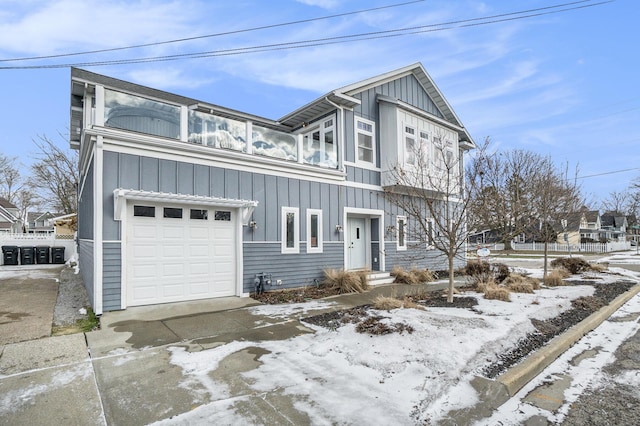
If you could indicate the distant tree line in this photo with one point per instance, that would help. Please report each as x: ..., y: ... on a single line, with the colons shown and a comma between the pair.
x: 51, y: 183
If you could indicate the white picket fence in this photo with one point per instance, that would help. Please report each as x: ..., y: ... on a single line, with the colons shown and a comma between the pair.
x: 575, y: 248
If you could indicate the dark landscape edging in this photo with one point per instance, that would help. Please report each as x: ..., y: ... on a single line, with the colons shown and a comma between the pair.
x: 518, y: 376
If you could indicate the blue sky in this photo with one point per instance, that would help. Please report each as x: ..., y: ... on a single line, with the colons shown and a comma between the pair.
x: 563, y: 84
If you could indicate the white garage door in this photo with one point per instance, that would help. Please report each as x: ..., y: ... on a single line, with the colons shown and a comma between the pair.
x: 178, y: 253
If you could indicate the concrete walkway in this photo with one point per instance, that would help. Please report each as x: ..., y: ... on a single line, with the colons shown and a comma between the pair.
x: 122, y: 374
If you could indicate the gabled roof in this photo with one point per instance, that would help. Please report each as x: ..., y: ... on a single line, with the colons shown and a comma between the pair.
x: 6, y: 204
x: 7, y: 215
x: 344, y: 96
x: 591, y: 216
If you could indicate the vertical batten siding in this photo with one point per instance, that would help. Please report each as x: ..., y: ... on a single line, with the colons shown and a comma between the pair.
x: 85, y: 207
x: 111, y: 274
x: 295, y: 270
x: 85, y: 258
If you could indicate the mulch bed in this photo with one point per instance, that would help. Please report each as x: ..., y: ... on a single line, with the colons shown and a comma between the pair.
x: 547, y: 330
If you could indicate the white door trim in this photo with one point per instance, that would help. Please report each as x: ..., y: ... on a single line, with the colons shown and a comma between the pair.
x: 368, y: 214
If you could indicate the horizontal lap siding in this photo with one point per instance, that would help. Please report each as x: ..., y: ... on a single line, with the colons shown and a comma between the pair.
x: 85, y: 258
x: 111, y: 276
x: 433, y: 260
x: 295, y: 270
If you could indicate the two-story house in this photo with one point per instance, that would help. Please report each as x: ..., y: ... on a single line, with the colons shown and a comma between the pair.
x: 9, y: 217
x: 182, y: 199
x: 613, y: 226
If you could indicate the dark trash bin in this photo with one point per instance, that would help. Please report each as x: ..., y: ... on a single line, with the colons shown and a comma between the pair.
x: 42, y: 254
x: 57, y: 254
x: 27, y: 255
x: 10, y: 255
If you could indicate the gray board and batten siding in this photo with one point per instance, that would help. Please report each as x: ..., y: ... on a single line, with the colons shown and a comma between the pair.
x: 261, y: 246
x: 85, y: 230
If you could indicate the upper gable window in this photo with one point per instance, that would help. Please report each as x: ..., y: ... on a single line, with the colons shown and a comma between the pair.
x: 365, y: 139
x: 319, y: 145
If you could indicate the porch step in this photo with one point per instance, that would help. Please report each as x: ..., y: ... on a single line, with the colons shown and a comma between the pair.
x: 380, y: 278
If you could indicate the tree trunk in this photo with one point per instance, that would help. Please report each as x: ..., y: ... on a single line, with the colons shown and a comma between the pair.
x: 544, y: 274
x: 451, y: 274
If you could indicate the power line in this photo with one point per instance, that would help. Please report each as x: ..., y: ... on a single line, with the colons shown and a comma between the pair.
x: 246, y: 30
x: 608, y: 173
x: 334, y: 40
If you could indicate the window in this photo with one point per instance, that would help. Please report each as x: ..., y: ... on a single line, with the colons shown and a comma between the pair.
x: 290, y: 232
x: 409, y: 145
x: 199, y: 214
x: 430, y: 235
x: 401, y: 237
x: 172, y: 213
x: 425, y: 148
x: 319, y: 145
x: 144, y: 211
x: 222, y: 215
x: 314, y: 231
x: 366, y: 141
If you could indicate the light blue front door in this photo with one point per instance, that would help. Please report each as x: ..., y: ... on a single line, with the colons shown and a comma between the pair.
x: 356, y: 243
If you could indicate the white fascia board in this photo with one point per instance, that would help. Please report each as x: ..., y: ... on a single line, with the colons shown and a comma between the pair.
x: 120, y: 197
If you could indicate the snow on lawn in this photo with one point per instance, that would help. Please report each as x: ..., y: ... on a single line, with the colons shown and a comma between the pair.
x: 345, y: 377
x: 587, y: 374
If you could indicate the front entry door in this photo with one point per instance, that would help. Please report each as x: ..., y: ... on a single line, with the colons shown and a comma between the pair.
x: 356, y: 243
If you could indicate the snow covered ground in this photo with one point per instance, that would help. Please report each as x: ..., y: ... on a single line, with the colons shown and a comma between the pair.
x: 343, y: 377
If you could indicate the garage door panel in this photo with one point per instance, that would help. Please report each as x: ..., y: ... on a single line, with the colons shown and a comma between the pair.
x: 174, y: 259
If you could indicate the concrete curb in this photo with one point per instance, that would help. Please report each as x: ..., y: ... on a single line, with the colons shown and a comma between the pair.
x: 517, y: 377
x: 493, y: 393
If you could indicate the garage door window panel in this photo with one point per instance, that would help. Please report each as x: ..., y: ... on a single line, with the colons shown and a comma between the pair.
x: 198, y: 214
x: 144, y: 211
x: 172, y: 213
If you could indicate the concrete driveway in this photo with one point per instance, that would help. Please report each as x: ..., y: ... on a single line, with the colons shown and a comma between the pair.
x: 28, y: 298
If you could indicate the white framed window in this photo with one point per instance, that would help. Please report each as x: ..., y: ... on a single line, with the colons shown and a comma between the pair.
x: 314, y: 231
x: 365, y: 141
x: 425, y: 147
x: 409, y: 145
x: 401, y: 233
x: 290, y: 230
x: 319, y: 144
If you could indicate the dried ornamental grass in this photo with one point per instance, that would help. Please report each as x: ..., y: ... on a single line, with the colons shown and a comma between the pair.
x: 518, y: 284
x: 554, y: 279
x: 497, y: 293
x: 345, y: 281
x: 402, y: 276
x: 386, y: 303
x: 423, y: 275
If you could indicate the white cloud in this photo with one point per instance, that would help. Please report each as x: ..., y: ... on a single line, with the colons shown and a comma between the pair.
x: 325, y: 4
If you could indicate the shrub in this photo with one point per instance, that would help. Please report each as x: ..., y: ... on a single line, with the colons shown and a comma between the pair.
x: 574, y: 265
x: 345, y: 281
x: 475, y: 268
x: 500, y: 271
x: 481, y: 285
x: 495, y: 292
x: 553, y: 279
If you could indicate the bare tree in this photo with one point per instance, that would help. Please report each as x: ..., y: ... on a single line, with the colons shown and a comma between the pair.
x: 503, y: 196
x: 55, y: 174
x: 430, y: 189
x: 11, y: 181
x: 555, y: 196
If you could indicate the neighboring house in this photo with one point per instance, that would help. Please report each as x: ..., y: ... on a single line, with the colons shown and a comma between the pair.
x: 182, y: 200
x: 66, y: 224
x: 9, y: 217
x: 40, y: 223
x: 614, y: 226
x: 590, y: 226
x: 569, y: 228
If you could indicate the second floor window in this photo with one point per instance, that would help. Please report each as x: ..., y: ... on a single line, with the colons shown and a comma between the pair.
x: 365, y: 140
